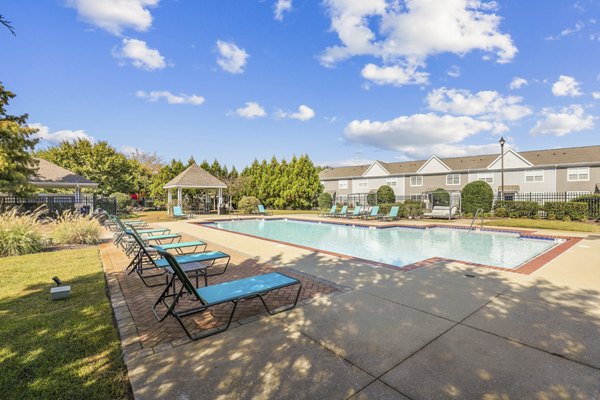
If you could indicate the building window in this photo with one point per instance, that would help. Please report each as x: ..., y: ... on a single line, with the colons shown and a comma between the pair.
x: 416, y: 180
x: 578, y: 174
x: 343, y: 184
x: 453, y: 179
x: 363, y: 184
x: 415, y: 197
x: 486, y: 177
x: 391, y: 182
x: 534, y: 176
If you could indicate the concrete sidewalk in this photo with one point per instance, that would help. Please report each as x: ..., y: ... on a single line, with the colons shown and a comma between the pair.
x: 432, y: 333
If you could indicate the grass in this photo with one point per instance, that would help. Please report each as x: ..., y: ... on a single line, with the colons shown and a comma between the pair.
x: 66, y: 349
x: 546, y: 224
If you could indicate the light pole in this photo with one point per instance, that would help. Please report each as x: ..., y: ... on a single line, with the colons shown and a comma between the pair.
x: 502, y: 142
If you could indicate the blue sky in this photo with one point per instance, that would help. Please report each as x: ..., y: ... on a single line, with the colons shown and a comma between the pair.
x: 345, y: 81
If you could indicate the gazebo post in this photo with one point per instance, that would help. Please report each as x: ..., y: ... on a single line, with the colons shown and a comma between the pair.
x: 220, y: 201
x: 179, y: 192
x: 169, y: 200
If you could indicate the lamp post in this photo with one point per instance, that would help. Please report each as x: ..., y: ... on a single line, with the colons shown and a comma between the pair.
x: 502, y: 142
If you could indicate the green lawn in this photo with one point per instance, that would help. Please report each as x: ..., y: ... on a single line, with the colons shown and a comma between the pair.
x: 545, y: 224
x: 67, y: 349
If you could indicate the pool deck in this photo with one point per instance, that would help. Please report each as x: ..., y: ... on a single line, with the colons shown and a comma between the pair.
x: 427, y: 333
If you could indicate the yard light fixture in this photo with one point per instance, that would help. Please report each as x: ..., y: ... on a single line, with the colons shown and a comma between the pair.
x: 502, y: 142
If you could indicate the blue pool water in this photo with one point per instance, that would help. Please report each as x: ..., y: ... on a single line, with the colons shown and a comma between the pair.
x: 398, y: 246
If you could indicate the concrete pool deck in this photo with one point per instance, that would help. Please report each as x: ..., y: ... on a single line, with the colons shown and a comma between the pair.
x: 424, y: 334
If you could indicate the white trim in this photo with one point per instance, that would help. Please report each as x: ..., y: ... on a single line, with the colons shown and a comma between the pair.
x: 578, y: 174
x: 360, y: 182
x: 394, y: 182
x: 194, y: 187
x: 483, y: 176
x: 380, y: 166
x: 533, y: 173
x: 416, y: 176
x: 509, y: 150
x: 452, y: 184
x: 431, y: 159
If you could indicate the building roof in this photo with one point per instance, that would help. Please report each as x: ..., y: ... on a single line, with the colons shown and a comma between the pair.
x: 50, y: 175
x: 563, y: 156
x: 195, y: 177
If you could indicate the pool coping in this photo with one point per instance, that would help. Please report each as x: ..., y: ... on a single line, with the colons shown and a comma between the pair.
x: 527, y: 268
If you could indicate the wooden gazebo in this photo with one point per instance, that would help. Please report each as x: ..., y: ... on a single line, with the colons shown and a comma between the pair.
x: 193, y: 178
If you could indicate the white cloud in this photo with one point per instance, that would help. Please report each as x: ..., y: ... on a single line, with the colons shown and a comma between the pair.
x: 454, y: 71
x: 567, y: 120
x: 407, y: 33
x: 129, y: 150
x: 231, y: 58
x: 140, y: 55
x: 568, y: 31
x: 487, y: 104
x: 394, y: 75
x: 251, y: 110
x: 596, y: 95
x: 60, y: 136
x: 450, y: 150
x: 566, y: 86
x: 171, y: 98
x: 304, y: 113
x: 115, y: 15
x: 418, y: 131
x: 518, y: 83
x: 282, y: 7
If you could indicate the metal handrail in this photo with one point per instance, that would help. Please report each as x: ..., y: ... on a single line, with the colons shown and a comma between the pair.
x: 479, y: 211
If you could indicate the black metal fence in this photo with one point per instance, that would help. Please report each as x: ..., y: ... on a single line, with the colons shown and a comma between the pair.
x: 59, y: 204
x: 592, y: 200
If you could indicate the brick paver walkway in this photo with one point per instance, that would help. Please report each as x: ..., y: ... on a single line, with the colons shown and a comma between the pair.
x: 139, y: 327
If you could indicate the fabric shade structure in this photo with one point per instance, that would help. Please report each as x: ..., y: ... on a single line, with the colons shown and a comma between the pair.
x: 51, y: 176
x: 194, y: 177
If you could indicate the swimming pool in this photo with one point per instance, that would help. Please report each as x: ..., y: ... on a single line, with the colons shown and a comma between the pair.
x: 398, y: 246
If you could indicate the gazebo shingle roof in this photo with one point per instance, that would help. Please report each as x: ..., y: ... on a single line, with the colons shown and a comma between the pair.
x: 195, y: 177
x: 51, y: 175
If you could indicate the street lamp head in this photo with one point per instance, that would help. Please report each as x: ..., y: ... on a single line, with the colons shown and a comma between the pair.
x: 502, y: 141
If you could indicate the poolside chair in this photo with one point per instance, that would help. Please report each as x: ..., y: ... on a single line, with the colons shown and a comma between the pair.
x: 342, y: 212
x: 262, y: 211
x: 374, y: 214
x: 330, y: 213
x: 355, y: 213
x: 121, y: 239
x: 147, y: 265
x: 393, y: 214
x: 445, y: 212
x: 178, y: 213
x: 258, y: 286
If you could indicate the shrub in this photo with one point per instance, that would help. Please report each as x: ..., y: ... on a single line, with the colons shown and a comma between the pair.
x: 371, y: 199
x: 593, y: 202
x: 520, y: 209
x: 75, y: 228
x: 385, y: 209
x: 123, y: 201
x: 385, y: 194
x: 20, y: 233
x: 561, y: 209
x: 477, y: 194
x: 325, y: 200
x: 441, y: 197
x: 501, y: 212
x: 248, y: 204
x: 414, y: 209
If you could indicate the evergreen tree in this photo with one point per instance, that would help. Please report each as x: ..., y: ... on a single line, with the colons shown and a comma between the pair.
x: 17, y: 164
x: 164, y: 175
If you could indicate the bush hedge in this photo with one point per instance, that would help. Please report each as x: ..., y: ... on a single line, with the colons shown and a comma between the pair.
x: 593, y: 203
x: 441, y: 197
x: 566, y: 210
x: 516, y: 209
x: 20, y: 233
x: 74, y: 228
x: 123, y: 201
x: 385, y: 194
x: 475, y: 195
x: 248, y: 204
x: 325, y: 200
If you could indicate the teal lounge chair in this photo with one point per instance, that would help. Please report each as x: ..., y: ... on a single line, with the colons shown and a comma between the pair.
x: 355, y: 213
x: 262, y: 211
x: 233, y: 292
x: 392, y: 216
x: 374, y: 214
x: 178, y: 213
x: 342, y: 212
x: 330, y: 213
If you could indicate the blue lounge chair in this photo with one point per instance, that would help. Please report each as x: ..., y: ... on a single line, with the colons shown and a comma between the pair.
x: 393, y: 214
x: 330, y: 213
x: 233, y: 292
x: 178, y: 213
x: 373, y: 214
x: 342, y: 212
x: 262, y: 211
x: 355, y: 213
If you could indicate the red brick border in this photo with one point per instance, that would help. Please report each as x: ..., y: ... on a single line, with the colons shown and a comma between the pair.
x: 527, y: 268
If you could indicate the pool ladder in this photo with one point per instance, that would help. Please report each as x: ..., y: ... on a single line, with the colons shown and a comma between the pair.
x: 478, y: 212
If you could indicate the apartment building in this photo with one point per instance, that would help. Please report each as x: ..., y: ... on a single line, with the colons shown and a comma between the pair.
x: 573, y: 171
